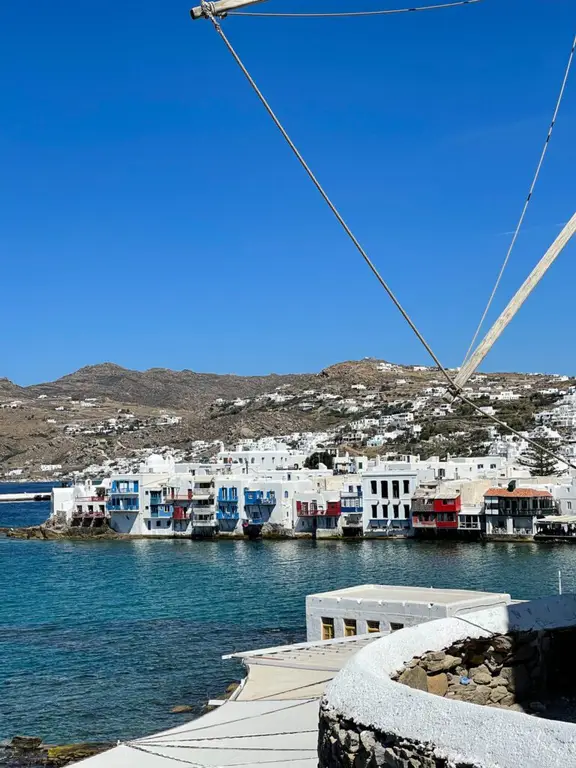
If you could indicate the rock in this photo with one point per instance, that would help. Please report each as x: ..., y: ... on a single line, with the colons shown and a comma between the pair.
x: 180, y: 709
x: 499, y: 681
x: 518, y: 679
x: 523, y: 653
x: 508, y: 701
x: 438, y: 684
x: 414, y: 678
x: 25, y: 743
x: 502, y: 644
x: 367, y: 740
x: 354, y: 742
x: 481, y: 695
x: 72, y: 753
x: 481, y: 675
x: 476, y: 659
x: 498, y: 693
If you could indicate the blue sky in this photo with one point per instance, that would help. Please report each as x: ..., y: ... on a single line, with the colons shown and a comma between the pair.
x: 152, y: 216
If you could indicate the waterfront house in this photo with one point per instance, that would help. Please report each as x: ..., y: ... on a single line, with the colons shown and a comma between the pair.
x: 435, y: 509
x: 387, y: 491
x: 513, y: 511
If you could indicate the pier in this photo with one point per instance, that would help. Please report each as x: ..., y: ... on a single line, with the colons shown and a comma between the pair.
x: 16, y: 497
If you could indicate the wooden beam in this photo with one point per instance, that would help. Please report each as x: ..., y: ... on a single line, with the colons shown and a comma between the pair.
x: 221, y: 7
x: 524, y: 291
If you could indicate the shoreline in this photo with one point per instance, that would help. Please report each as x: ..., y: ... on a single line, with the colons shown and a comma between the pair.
x: 47, y: 533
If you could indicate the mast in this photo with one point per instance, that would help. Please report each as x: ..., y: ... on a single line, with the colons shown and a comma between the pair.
x: 516, y: 302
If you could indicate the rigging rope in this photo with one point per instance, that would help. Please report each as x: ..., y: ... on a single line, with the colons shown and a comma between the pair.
x: 207, y: 8
x: 526, y: 202
x: 349, y: 14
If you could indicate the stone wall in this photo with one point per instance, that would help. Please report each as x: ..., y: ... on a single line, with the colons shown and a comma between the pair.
x: 518, y: 670
x: 523, y: 671
x: 342, y: 744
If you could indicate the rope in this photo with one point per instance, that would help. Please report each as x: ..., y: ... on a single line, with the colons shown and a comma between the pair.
x: 284, y: 760
x: 455, y: 391
x: 527, y: 201
x: 324, y: 195
x: 350, y: 14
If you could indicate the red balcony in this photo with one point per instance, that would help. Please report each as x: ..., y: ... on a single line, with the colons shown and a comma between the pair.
x: 180, y: 513
x: 333, y: 509
x: 447, y: 505
x: 308, y: 509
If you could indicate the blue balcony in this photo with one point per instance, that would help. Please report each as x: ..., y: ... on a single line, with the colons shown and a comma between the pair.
x: 125, y: 486
x: 228, y: 495
x: 259, y: 498
x: 123, y: 505
x: 226, y: 512
x: 161, y: 511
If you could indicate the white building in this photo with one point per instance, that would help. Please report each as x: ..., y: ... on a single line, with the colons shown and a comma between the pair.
x: 371, y: 608
x: 276, y: 456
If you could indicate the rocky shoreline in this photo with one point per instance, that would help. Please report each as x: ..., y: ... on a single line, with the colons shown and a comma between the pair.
x: 31, y: 752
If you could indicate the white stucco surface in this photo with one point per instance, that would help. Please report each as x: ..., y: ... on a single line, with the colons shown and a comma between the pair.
x: 246, y: 733
x: 483, y: 736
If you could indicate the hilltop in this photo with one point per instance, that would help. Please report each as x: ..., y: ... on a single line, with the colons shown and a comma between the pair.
x: 104, y: 411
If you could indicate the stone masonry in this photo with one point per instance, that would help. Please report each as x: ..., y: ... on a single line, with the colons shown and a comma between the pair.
x: 519, y: 671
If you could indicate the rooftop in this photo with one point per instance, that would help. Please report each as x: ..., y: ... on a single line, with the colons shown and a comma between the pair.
x: 517, y: 493
x: 392, y: 594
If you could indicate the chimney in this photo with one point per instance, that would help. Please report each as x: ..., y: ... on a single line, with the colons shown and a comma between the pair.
x: 512, y: 485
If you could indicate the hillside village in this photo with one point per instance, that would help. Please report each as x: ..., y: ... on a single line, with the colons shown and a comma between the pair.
x: 107, y: 417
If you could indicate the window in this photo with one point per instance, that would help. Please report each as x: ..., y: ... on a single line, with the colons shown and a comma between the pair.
x: 327, y: 629
x: 90, y: 508
x: 569, y: 505
x: 406, y: 486
x: 374, y: 511
x: 385, y: 512
x: 148, y: 524
x: 350, y: 628
x: 350, y: 489
x: 524, y: 503
x: 396, y: 511
x: 492, y: 466
x: 406, y: 511
x: 372, y: 627
x: 374, y: 486
x: 158, y: 523
x: 394, y: 626
x: 480, y: 466
x: 79, y: 508
x: 384, y: 488
x: 102, y: 507
x: 395, y: 489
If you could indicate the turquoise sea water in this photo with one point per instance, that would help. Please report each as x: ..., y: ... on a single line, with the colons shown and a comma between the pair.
x: 99, y: 640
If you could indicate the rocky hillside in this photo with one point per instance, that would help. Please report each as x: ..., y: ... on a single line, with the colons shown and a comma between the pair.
x: 102, y: 412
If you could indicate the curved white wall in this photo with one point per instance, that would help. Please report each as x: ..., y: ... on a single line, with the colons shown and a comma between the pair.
x: 462, y: 732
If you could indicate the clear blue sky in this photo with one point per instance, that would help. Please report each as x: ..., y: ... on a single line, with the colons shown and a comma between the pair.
x: 152, y: 216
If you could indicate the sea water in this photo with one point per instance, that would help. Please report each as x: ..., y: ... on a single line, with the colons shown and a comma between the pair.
x: 100, y: 639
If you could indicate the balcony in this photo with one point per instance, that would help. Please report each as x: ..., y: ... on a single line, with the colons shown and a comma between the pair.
x: 421, y: 522
x: 224, y: 514
x: 309, y: 509
x: 225, y: 498
x: 351, y: 519
x: 260, y: 498
x: 93, y: 514
x: 118, y: 505
x: 125, y: 487
x: 466, y: 525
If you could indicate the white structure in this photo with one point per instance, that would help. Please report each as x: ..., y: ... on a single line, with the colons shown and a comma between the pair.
x: 371, y: 608
x: 275, y: 456
x: 461, y: 733
x: 387, y: 491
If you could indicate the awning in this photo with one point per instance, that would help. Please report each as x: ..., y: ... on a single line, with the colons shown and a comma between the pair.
x: 559, y: 519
